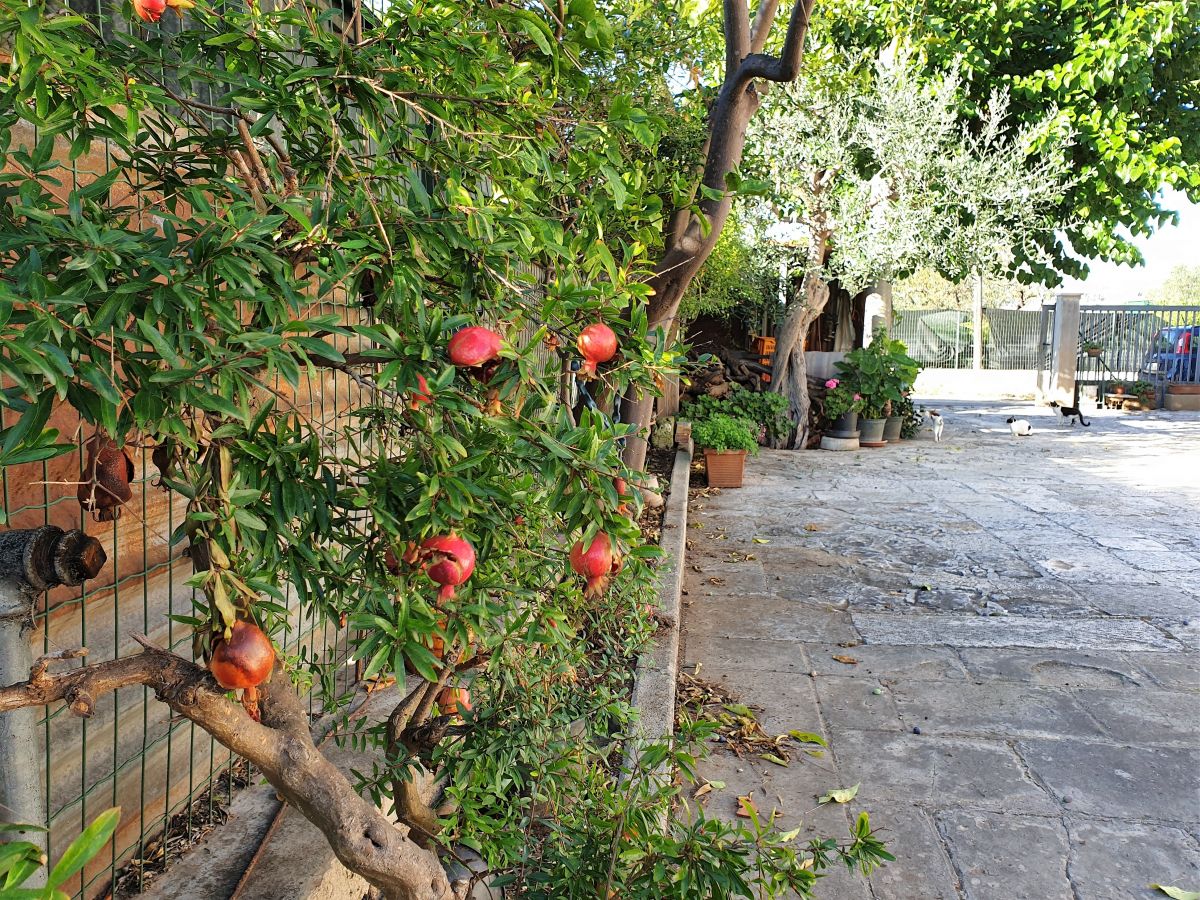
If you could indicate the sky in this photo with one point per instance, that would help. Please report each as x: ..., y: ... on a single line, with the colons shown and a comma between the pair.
x: 1167, y: 248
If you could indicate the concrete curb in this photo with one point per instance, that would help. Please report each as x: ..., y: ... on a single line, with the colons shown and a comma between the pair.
x: 657, y: 668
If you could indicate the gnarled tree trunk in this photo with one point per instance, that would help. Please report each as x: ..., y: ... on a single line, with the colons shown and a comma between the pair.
x: 789, y: 376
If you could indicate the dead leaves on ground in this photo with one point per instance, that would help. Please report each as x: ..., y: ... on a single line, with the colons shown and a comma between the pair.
x: 737, y: 724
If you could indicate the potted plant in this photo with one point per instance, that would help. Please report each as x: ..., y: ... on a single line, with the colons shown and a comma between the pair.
x: 912, y: 417
x: 882, y: 372
x: 842, y: 404
x: 726, y: 441
x: 1144, y: 393
x: 1092, y: 348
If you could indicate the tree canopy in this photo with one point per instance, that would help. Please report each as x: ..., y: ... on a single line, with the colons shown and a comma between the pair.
x: 1120, y: 75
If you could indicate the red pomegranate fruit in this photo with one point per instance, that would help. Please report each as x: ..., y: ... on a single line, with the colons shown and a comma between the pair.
x: 420, y: 397
x: 594, y: 563
x: 149, y: 10
x: 472, y: 347
x: 597, y: 343
x: 449, y: 560
x: 242, y: 662
x: 622, y: 493
x: 451, y: 699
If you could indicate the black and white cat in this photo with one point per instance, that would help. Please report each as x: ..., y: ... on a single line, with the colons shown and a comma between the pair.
x: 1071, y: 413
x: 939, y: 425
x: 1019, y: 427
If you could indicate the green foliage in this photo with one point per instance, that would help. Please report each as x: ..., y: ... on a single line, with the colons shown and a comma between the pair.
x: 19, y: 860
x: 738, y: 275
x: 912, y: 416
x: 881, y: 372
x: 1181, y: 288
x: 763, y: 408
x: 721, y: 432
x: 1119, y: 76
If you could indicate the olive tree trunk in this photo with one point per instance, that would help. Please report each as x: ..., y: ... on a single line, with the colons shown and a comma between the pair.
x: 789, y: 375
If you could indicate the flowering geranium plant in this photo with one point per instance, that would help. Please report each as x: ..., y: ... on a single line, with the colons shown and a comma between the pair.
x: 841, y: 398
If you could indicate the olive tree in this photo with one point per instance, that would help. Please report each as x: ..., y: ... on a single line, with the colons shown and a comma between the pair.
x: 879, y: 180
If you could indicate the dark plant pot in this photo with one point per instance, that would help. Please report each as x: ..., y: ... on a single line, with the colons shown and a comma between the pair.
x: 725, y: 468
x: 871, y: 432
x: 844, y: 426
x: 1094, y: 352
x: 891, y: 428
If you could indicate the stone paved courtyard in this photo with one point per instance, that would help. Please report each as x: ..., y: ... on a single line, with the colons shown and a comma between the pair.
x: 1020, y: 620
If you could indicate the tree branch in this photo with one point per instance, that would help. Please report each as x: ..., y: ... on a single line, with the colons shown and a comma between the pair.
x: 786, y: 66
x: 764, y: 18
x: 737, y: 35
x: 281, y: 747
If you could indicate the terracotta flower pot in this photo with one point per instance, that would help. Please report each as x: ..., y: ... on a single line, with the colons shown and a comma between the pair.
x: 1094, y: 352
x: 725, y: 468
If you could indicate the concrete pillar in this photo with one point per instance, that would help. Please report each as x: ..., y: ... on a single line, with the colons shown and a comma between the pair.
x: 31, y: 560
x: 1064, y: 349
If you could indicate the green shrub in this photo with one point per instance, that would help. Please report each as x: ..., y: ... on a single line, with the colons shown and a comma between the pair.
x: 764, y: 408
x: 725, y: 433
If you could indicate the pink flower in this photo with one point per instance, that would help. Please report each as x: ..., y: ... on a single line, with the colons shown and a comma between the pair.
x: 831, y: 383
x: 858, y: 396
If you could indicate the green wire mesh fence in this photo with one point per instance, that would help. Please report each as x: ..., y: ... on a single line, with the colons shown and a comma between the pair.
x: 132, y: 753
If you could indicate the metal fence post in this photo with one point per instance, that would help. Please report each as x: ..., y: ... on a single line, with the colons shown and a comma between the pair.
x: 31, y: 560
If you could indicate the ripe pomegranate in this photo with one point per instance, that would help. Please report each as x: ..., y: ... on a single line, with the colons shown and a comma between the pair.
x: 472, y: 347
x: 149, y: 10
x: 242, y: 662
x: 594, y: 563
x: 597, y: 343
x: 449, y: 560
x: 622, y: 493
x: 107, y: 473
x: 420, y: 397
x: 450, y: 699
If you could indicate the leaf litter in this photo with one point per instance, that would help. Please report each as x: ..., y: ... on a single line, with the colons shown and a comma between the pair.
x: 737, y: 724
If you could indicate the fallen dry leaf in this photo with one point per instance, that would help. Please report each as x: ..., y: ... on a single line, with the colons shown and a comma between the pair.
x: 845, y: 795
x: 812, y: 527
x: 848, y: 660
x: 746, y: 808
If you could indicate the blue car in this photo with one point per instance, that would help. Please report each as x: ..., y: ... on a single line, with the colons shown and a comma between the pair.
x: 1175, y: 354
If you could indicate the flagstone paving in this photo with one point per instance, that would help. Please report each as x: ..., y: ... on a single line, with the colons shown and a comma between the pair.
x: 1019, y: 626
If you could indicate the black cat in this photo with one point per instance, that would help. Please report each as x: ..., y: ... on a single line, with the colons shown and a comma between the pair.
x: 1071, y: 413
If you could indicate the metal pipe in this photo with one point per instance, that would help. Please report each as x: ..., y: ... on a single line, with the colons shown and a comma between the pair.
x: 31, y: 560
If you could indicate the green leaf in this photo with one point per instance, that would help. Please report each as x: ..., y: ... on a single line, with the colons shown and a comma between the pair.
x: 86, y: 846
